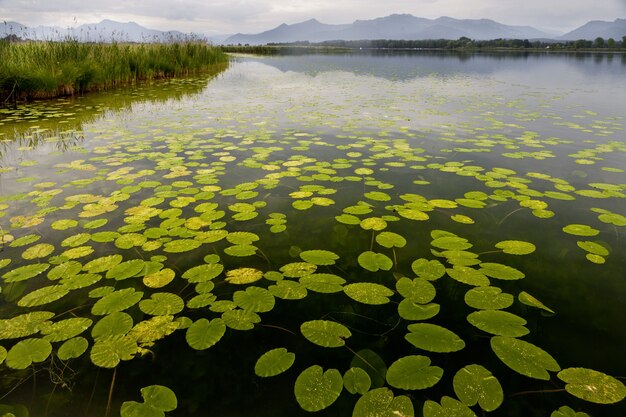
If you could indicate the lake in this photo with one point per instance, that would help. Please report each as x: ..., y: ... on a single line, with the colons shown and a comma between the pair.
x: 375, y: 233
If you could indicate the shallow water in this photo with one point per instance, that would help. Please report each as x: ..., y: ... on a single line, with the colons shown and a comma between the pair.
x: 339, y: 148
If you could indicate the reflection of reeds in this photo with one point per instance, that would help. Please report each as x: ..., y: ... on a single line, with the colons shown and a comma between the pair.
x: 48, y: 69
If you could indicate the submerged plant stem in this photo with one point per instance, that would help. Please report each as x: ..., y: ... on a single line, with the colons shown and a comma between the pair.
x: 110, y: 397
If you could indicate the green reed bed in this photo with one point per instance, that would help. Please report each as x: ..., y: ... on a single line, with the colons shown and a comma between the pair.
x: 31, y: 70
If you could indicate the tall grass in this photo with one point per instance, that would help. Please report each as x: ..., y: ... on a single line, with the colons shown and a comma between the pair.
x: 31, y: 70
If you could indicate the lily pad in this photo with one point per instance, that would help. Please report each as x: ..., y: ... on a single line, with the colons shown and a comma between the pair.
x: 488, y: 298
x: 416, y: 312
x: 531, y: 301
x: 373, y: 261
x: 516, y: 247
x: 319, y: 257
x: 448, y: 407
x: 28, y: 351
x: 241, y: 276
x: 566, y: 411
x: 524, y: 357
x: 274, y: 362
x: 256, y: 299
x: 316, y: 390
x: 368, y: 293
x: 390, y: 240
x: 413, y: 373
x: 592, y: 386
x: 580, y: 230
x: 499, y: 271
x: 498, y: 322
x: 162, y: 304
x: 476, y: 385
x: 44, y: 295
x: 356, y: 381
x: 429, y: 270
x: 323, y: 283
x: 417, y: 290
x: 72, y: 348
x: 433, y: 338
x: 380, y: 402
x: 325, y: 333
x: 203, y: 334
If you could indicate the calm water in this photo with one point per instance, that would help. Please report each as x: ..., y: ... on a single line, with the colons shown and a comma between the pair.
x: 489, y: 147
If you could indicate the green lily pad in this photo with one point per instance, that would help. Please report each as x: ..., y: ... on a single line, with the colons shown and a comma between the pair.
x: 580, y: 230
x: 44, y: 295
x: 476, y: 385
x: 325, y: 333
x: 181, y: 246
x: 28, y: 351
x: 319, y: 257
x: 25, y: 272
x: 159, y: 279
x: 592, y: 386
x: 256, y: 299
x: 162, y: 304
x: 72, y: 348
x: 524, y: 357
x: 380, y: 402
x: 531, y: 301
x: 24, y: 324
x: 288, y: 290
x: 356, y: 381
x: 102, y: 264
x: 240, y: 319
x: 469, y: 276
x: 488, y: 298
x: 416, y: 312
x: 413, y: 373
x: 429, y: 270
x: 499, y: 271
x: 40, y: 250
x: 373, y: 223
x: 126, y: 269
x: 203, y: 334
x: 368, y: 293
x: 516, y: 247
x: 566, y: 411
x: 451, y: 243
x: 274, y: 362
x: 433, y: 338
x: 323, y: 283
x: 116, y: 301
x: 316, y: 390
x: 390, y: 240
x: 373, y: 261
x: 417, y: 290
x: 373, y: 364
x: 241, y: 276
x: 298, y: 269
x: 448, y: 407
x: 117, y: 323
x: 157, y: 400
x: 65, y: 329
x: 498, y: 322
x: 593, y: 248
x: 203, y: 273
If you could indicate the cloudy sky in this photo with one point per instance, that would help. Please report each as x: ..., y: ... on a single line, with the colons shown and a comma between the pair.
x: 252, y: 16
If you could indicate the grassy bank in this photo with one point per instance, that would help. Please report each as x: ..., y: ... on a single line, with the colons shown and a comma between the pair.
x: 30, y: 70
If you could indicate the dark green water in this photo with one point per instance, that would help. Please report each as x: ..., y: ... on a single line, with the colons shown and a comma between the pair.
x: 490, y: 148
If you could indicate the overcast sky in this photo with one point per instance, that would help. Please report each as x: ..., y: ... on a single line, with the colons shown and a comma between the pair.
x: 252, y: 16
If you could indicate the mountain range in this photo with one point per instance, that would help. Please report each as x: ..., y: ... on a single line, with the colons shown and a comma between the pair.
x: 105, y: 31
x: 395, y: 26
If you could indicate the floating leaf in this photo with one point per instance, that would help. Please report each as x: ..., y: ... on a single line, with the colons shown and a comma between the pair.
x: 116, y: 301
x: 298, y: 269
x: 159, y: 279
x: 593, y: 248
x: 373, y: 261
x: 28, y: 351
x: 146, y: 332
x: 390, y: 240
x: 203, y: 334
x: 592, y: 386
x: 415, y: 312
x: 429, y: 270
x: 319, y: 257
x: 25, y: 272
x: 274, y: 362
x: 72, y: 348
x: 566, y: 411
x: 157, y: 400
x: 449, y: 407
x: 524, y: 357
x: 117, y: 323
x: 413, y: 373
x: 468, y: 275
x: 182, y: 245
x: 451, y: 243
x: 498, y: 322
x: 356, y: 381
x: 162, y: 304
x: 417, y: 290
x: 103, y: 264
x: 242, y: 276
x: 65, y: 329
x: 256, y: 299
x: 516, y: 247
x: 240, y: 319
x: 126, y: 269
x: 24, y: 324
x: 380, y: 402
x: 488, y: 298
x: 580, y: 230
x: 531, y: 301
x: 316, y: 390
x: 323, y: 283
x: 43, y: 296
x: 203, y: 273
x: 40, y: 250
x: 476, y: 385
x: 433, y: 338
x: 373, y: 364
x: 325, y: 333
x: 500, y: 271
x: 373, y: 223
x: 288, y: 290
x: 368, y: 293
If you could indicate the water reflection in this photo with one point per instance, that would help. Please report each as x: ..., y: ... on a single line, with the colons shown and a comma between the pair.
x: 56, y: 125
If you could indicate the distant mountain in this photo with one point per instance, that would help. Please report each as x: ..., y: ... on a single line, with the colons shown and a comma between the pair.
x: 105, y: 31
x: 597, y: 28
x: 396, y: 26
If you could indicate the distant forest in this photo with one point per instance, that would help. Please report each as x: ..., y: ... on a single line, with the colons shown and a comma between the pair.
x: 459, y: 44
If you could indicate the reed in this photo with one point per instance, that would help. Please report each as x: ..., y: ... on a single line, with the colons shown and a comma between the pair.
x: 30, y: 70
